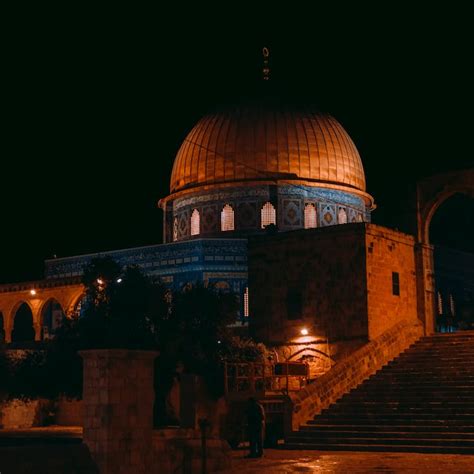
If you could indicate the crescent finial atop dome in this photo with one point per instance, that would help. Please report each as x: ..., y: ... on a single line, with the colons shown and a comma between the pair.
x: 266, y: 67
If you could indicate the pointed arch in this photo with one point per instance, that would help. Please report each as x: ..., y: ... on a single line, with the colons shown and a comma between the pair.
x: 342, y: 216
x: 318, y: 353
x: 195, y: 222
x: 227, y: 218
x: 51, y: 317
x: 268, y: 215
x: 310, y: 217
x: 23, y: 329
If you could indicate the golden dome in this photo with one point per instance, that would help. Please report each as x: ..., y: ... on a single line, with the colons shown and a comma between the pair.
x: 264, y: 143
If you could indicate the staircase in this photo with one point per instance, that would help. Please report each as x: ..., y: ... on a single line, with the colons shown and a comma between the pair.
x: 423, y: 401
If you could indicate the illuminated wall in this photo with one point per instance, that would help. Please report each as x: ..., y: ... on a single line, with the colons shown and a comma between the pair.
x: 339, y: 283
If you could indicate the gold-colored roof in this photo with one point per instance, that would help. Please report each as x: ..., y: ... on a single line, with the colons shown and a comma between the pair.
x: 262, y: 143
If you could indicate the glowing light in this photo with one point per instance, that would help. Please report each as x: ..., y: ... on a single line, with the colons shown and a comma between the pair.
x: 100, y: 281
x: 33, y: 292
x: 119, y: 280
x: 304, y: 332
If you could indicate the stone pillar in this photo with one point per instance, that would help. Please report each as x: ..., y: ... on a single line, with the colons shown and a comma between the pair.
x: 118, y: 399
x: 37, y: 328
x: 425, y: 286
x: 8, y: 328
x: 35, y: 305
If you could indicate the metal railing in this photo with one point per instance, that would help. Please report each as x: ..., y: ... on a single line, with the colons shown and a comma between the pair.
x: 259, y: 378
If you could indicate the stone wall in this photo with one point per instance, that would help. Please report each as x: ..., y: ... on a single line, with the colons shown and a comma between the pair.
x: 389, y: 251
x: 336, y: 283
x: 30, y: 413
x: 349, y: 373
x: 68, y: 413
x: 312, y: 278
x: 22, y: 413
x: 118, y: 401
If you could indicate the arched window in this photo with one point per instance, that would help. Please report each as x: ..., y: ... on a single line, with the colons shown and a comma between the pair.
x: 227, y: 218
x: 175, y: 229
x: 452, y: 306
x: 195, y: 222
x: 246, y: 302
x: 310, y: 221
x: 52, y: 317
x: 342, y: 216
x: 23, y: 325
x: 440, y: 303
x: 268, y: 214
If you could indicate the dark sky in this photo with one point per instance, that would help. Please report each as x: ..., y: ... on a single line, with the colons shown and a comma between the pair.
x: 97, y: 103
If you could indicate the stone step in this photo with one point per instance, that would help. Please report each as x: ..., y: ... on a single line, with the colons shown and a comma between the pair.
x: 370, y: 387
x: 394, y: 420
x: 425, y: 404
x: 381, y: 448
x: 325, y: 434
x: 422, y: 401
x: 401, y: 411
x: 414, y: 401
x: 444, y: 373
x: 449, y: 349
x: 457, y: 364
x: 464, y: 366
x: 435, y: 430
x: 417, y: 382
x: 428, y: 376
x: 302, y: 438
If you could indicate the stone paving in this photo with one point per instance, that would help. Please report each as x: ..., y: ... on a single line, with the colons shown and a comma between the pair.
x: 344, y: 462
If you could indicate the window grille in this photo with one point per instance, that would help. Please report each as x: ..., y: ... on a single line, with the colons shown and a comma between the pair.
x: 246, y: 302
x: 195, y: 226
x: 342, y: 216
x: 227, y: 218
x: 268, y: 215
x: 310, y: 221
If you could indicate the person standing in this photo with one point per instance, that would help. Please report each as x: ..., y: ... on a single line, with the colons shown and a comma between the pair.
x: 256, y: 427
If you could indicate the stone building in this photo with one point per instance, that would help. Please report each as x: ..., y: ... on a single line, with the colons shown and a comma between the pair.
x: 241, y: 171
x: 258, y: 171
x: 329, y: 291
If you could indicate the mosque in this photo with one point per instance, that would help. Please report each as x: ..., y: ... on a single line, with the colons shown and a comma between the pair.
x: 244, y: 173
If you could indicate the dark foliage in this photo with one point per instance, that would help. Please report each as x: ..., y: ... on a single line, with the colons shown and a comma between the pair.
x: 122, y: 307
x: 194, y: 334
x: 125, y: 309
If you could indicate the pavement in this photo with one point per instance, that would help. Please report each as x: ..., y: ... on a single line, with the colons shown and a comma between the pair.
x: 277, y: 461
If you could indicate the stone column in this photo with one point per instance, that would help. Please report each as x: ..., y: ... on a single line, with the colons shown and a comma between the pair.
x: 37, y: 329
x: 8, y: 328
x: 118, y: 399
x: 425, y: 286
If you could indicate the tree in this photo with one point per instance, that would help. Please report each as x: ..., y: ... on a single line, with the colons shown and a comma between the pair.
x: 194, y: 335
x: 123, y: 308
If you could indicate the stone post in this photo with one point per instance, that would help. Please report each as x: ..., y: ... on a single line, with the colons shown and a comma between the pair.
x: 425, y: 286
x: 37, y: 329
x: 118, y: 399
x: 8, y: 332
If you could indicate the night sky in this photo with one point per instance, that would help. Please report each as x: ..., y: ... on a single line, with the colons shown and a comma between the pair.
x: 97, y: 104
